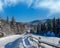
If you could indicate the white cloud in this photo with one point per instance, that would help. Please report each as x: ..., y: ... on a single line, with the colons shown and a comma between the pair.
x: 52, y: 5
x: 10, y: 2
x: 29, y: 2
x: 5, y: 3
x: 1, y: 6
x: 14, y: 2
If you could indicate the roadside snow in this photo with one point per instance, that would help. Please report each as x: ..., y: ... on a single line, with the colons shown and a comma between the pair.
x: 25, y: 39
x: 53, y: 40
x: 5, y: 40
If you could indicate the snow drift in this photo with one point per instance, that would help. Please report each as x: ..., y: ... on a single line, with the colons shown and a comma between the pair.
x: 23, y: 41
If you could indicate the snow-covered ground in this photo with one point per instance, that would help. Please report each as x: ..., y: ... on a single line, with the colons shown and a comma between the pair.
x: 23, y: 41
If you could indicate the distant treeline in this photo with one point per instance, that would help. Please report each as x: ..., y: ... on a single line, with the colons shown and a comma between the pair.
x: 53, y: 25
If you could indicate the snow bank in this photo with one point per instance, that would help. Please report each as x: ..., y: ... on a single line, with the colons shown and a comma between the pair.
x: 12, y: 38
x: 53, y: 40
x: 5, y: 40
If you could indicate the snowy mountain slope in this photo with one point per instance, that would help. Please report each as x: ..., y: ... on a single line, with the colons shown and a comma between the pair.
x: 36, y: 22
x: 23, y: 41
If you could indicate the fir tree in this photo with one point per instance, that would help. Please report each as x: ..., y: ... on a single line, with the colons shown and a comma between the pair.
x: 7, y: 20
x: 39, y: 28
x: 13, y: 21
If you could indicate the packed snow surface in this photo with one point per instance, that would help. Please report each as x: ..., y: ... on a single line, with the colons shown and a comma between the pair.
x: 23, y: 41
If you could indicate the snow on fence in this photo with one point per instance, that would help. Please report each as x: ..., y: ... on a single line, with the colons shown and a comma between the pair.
x: 44, y: 42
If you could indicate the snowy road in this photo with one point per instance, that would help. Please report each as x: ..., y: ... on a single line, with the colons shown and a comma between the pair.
x: 17, y: 41
x: 14, y: 44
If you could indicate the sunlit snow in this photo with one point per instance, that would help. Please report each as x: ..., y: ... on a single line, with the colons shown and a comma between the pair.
x: 23, y: 41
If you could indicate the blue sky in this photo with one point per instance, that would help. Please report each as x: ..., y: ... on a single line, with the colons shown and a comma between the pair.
x: 29, y: 10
